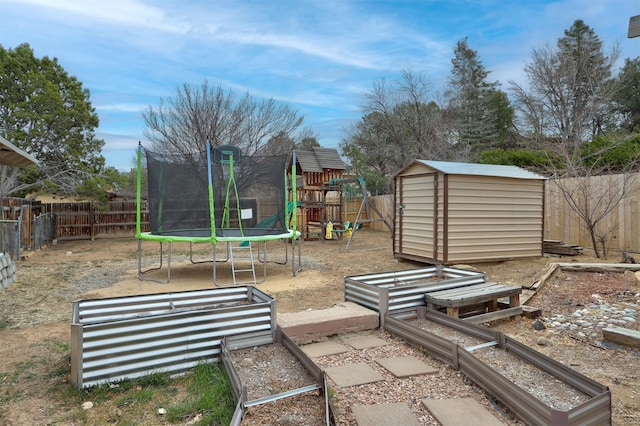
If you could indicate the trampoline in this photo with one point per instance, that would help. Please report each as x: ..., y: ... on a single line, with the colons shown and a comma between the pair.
x: 219, y: 196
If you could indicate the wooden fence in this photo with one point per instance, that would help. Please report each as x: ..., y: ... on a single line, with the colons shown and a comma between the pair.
x: 74, y: 220
x: 85, y: 221
x: 620, y: 229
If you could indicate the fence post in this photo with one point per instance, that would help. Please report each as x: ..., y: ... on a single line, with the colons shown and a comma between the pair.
x: 92, y: 219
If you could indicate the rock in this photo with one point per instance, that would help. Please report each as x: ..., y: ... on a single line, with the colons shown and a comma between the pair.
x: 539, y: 325
x: 542, y: 341
x: 246, y: 362
x: 87, y: 405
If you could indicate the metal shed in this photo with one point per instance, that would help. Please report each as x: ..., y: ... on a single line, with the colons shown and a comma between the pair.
x: 449, y: 212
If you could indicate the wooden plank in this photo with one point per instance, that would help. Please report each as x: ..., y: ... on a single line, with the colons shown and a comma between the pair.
x: 548, y: 272
x: 458, y: 290
x: 496, y: 315
x: 600, y: 267
x: 479, y: 293
x: 531, y: 312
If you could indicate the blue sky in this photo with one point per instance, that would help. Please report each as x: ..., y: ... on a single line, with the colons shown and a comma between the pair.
x: 318, y: 56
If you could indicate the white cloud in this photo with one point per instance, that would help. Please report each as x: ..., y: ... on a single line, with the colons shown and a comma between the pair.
x: 128, y: 12
x: 121, y: 107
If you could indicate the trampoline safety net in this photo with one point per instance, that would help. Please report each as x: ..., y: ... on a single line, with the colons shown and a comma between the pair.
x: 248, y: 195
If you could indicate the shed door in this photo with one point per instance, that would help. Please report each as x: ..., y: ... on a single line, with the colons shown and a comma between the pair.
x: 417, y: 216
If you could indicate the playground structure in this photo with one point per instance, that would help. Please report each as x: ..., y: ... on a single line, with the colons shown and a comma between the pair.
x: 219, y: 196
x: 350, y: 190
x: 332, y: 205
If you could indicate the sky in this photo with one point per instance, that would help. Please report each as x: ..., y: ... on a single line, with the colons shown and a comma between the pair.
x: 318, y: 56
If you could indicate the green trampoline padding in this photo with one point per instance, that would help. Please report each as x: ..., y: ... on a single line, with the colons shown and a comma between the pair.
x: 222, y: 235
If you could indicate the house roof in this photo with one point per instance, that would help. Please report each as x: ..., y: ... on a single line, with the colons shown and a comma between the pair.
x: 11, y: 155
x: 475, y: 169
x: 319, y: 159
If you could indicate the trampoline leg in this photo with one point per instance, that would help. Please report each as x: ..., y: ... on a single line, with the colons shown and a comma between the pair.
x: 215, y: 263
x: 141, y: 272
x: 294, y: 243
x: 264, y: 264
x: 169, y: 261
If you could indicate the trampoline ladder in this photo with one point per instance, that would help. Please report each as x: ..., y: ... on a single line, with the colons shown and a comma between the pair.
x: 242, y: 253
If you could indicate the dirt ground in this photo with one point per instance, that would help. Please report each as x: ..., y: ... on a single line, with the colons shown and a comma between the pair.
x: 35, y: 311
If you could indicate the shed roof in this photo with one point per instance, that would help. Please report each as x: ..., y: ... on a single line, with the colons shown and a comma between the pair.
x: 11, y: 155
x: 319, y: 159
x: 454, y: 168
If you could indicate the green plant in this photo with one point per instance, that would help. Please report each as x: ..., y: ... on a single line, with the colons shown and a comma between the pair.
x: 154, y: 379
x: 137, y: 396
x: 210, y: 401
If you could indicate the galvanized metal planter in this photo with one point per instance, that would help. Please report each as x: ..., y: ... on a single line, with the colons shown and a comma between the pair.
x: 595, y: 411
x: 239, y: 391
x: 127, y: 337
x: 391, y: 291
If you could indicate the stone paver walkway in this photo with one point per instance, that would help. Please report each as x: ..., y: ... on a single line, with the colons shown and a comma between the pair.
x: 364, y: 342
x: 353, y: 374
x: 448, y: 412
x: 406, y: 366
x: 460, y: 412
x: 384, y: 414
x: 315, y: 350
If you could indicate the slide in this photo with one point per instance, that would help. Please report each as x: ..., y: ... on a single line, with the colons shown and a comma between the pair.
x: 269, y: 221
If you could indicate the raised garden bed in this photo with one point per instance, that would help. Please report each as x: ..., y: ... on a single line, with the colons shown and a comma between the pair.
x: 390, y: 291
x: 127, y: 337
x: 593, y: 409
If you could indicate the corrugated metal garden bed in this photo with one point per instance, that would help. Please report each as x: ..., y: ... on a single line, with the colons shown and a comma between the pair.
x: 127, y: 337
x: 391, y: 291
x: 588, y: 403
x: 246, y: 398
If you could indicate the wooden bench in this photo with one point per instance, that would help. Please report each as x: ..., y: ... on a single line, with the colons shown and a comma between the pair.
x: 486, y: 294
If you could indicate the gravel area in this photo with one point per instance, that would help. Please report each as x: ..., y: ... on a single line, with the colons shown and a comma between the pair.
x: 272, y: 369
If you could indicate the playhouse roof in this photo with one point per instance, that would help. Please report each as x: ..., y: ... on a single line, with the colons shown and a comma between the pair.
x: 454, y: 168
x: 320, y: 159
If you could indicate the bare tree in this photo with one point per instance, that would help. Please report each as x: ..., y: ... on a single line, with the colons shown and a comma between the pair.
x: 413, y: 122
x: 570, y: 87
x: 183, y: 124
